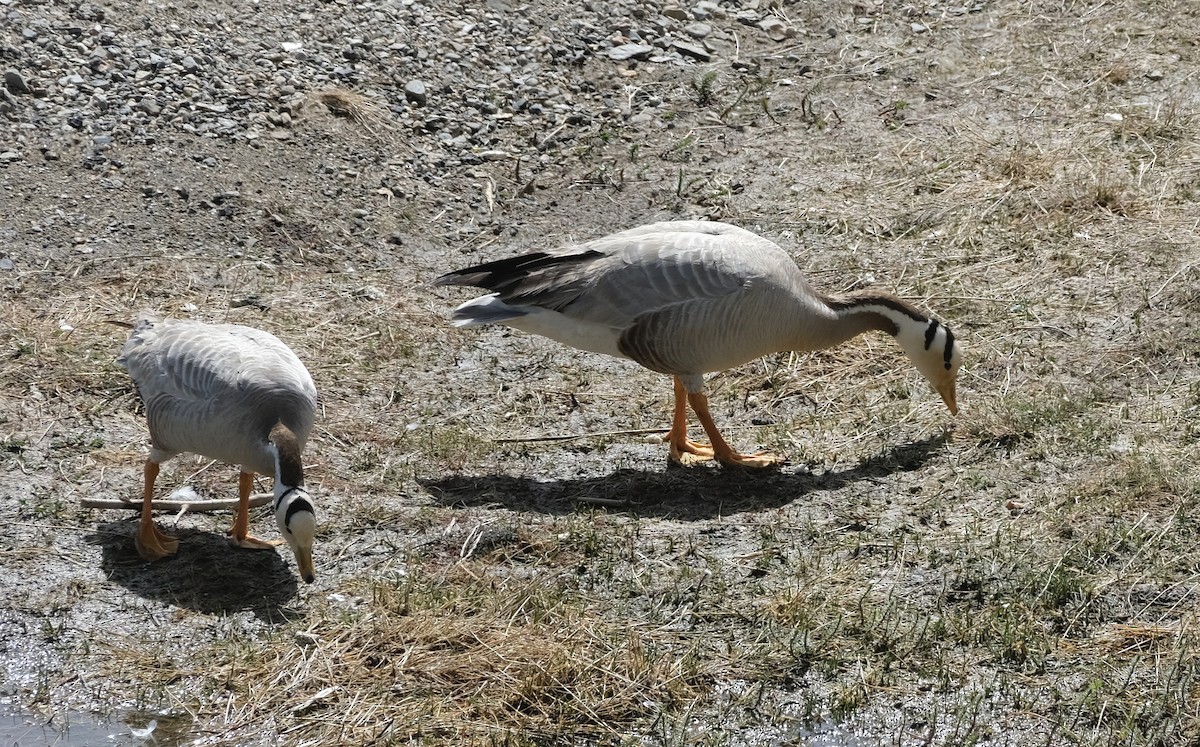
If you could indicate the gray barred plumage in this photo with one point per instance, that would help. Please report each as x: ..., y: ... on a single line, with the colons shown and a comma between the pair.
x: 231, y: 393
x: 691, y: 297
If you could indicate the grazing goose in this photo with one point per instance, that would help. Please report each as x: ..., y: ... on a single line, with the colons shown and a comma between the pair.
x: 687, y: 298
x: 230, y: 393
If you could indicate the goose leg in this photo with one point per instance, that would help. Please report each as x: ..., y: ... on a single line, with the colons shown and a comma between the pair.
x: 722, y: 451
x: 683, y: 450
x: 241, y: 523
x: 150, y: 541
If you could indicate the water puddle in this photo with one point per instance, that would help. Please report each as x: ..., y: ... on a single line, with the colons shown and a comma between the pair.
x: 21, y: 728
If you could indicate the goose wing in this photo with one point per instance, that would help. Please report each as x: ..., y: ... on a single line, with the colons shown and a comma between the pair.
x: 217, y: 389
x: 616, y: 279
x: 675, y: 296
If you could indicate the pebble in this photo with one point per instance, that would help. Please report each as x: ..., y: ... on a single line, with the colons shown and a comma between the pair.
x: 414, y: 91
x: 776, y: 29
x: 502, y: 77
x: 630, y: 51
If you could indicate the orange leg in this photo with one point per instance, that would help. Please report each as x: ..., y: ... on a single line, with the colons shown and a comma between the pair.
x: 683, y: 450
x: 722, y: 451
x: 151, y: 543
x: 241, y: 523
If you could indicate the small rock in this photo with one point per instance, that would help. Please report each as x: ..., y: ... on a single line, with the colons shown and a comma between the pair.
x: 290, y: 47
x: 1155, y: 74
x: 6, y: 262
x: 679, y: 14
x: 9, y: 156
x: 630, y: 51
x: 369, y: 292
x: 189, y: 64
x: 695, y: 51
x: 414, y: 91
x: 919, y: 28
x: 776, y: 29
x: 15, y: 83
x: 697, y: 30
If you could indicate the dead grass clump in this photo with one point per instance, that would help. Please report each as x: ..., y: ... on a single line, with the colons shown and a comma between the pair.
x: 1117, y: 75
x: 66, y: 351
x: 463, y: 659
x: 1137, y: 484
x: 1130, y: 639
x: 362, y: 110
x: 1103, y: 194
x: 1024, y: 164
x: 1164, y: 124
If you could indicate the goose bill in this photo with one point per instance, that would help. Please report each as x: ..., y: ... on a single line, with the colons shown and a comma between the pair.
x: 948, y: 396
x: 304, y: 564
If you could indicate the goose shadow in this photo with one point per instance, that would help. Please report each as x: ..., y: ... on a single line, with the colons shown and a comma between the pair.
x: 206, y: 574
x: 675, y: 493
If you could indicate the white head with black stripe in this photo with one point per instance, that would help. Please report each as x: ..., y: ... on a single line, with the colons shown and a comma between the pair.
x: 294, y: 511
x: 935, y: 352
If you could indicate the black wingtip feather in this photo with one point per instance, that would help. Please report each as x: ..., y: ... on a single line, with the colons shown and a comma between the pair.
x: 502, y: 274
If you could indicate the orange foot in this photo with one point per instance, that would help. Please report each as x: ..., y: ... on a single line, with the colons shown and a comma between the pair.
x: 757, y: 460
x: 153, y: 544
x: 686, y: 452
x: 251, y: 542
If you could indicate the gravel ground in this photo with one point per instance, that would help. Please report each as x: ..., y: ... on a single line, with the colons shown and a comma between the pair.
x: 455, y: 85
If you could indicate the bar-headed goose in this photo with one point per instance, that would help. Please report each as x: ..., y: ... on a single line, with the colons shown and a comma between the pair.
x: 231, y: 393
x: 687, y: 298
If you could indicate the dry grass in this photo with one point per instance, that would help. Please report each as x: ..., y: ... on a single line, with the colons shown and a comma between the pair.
x: 1023, y: 575
x: 362, y: 110
x: 467, y: 659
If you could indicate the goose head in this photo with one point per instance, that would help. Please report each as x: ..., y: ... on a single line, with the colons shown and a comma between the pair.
x: 936, y: 353
x: 297, y: 522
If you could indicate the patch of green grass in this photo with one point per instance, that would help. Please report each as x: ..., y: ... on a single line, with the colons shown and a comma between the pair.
x: 704, y: 89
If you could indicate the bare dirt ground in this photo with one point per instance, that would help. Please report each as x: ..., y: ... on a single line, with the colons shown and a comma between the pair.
x: 504, y: 556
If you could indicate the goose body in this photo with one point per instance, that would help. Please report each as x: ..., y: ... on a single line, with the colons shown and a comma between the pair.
x: 686, y: 298
x: 231, y: 393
